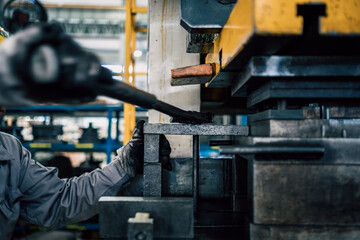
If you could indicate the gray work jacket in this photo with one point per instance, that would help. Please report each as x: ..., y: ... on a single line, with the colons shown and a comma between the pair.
x: 36, y: 194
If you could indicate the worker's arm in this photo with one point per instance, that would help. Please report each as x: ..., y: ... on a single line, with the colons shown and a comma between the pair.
x: 49, y: 201
x: 52, y: 202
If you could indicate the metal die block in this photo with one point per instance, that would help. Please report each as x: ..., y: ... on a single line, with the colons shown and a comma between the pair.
x: 204, y: 17
x: 212, y: 176
x: 140, y: 227
x: 151, y: 148
x: 276, y: 89
x: 299, y: 114
x: 152, y: 179
x: 260, y: 68
x: 277, y: 114
x: 301, y: 193
x: 309, y: 128
x: 273, y: 232
x: 173, y: 217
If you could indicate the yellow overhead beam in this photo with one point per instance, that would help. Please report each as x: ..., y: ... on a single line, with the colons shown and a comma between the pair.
x: 278, y: 18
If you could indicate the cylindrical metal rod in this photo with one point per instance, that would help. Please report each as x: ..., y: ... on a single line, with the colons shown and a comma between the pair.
x: 146, y: 100
x: 195, y: 181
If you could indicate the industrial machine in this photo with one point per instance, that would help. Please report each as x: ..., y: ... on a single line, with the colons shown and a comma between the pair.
x: 292, y: 66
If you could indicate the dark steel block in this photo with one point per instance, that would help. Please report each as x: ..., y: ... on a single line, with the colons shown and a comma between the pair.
x: 301, y: 193
x: 212, y: 174
x: 151, y: 148
x: 270, y: 91
x: 212, y: 178
x: 152, y: 179
x: 307, y: 128
x: 178, y: 182
x: 210, y: 19
x: 273, y: 232
x: 272, y: 114
x: 262, y: 68
x: 173, y: 217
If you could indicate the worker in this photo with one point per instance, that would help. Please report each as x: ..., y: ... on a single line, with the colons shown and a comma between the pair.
x: 36, y: 194
x: 29, y: 190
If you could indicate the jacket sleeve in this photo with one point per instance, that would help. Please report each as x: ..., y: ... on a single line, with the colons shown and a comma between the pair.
x: 53, y: 202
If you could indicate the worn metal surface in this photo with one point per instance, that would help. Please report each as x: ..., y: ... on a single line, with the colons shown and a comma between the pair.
x: 310, y: 128
x: 198, y: 74
x: 152, y: 183
x: 178, y: 182
x: 152, y: 179
x: 296, y: 114
x: 300, y: 193
x: 343, y: 112
x: 191, y: 129
x: 261, y: 68
x: 273, y: 232
x: 141, y: 227
x: 151, y: 148
x: 212, y: 178
x: 173, y: 217
x: 204, y: 16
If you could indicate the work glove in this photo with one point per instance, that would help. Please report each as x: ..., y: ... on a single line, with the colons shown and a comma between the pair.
x: 131, y: 156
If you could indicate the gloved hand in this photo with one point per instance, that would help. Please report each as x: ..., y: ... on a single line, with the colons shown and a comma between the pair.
x: 131, y: 156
